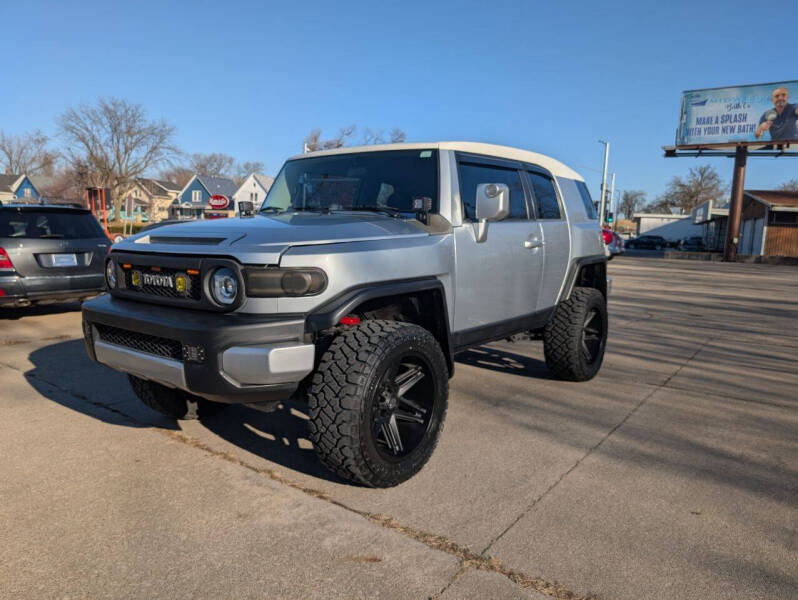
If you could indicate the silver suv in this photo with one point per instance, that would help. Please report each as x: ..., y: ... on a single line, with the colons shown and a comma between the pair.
x: 362, y: 276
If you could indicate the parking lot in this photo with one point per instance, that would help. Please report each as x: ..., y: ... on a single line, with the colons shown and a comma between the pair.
x: 673, y: 474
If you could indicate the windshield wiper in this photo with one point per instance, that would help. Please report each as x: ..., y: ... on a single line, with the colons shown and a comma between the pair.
x: 388, y: 210
x: 272, y: 209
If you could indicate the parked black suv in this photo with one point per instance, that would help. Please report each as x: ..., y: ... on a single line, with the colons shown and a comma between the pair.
x: 50, y: 253
x: 648, y: 242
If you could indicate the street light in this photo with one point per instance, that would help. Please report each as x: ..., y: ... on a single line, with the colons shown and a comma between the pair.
x: 604, y: 181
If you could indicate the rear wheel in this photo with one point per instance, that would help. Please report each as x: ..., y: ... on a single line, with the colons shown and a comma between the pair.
x: 575, y: 338
x: 377, y: 402
x: 171, y: 402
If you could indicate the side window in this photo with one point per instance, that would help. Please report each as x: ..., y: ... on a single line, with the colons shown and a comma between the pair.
x: 546, y: 201
x: 471, y: 175
x: 590, y: 209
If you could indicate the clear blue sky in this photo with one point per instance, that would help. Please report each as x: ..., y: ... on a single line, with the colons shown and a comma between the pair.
x: 251, y: 79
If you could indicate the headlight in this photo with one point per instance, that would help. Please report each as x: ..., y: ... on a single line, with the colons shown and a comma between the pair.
x: 273, y: 283
x: 224, y: 286
x: 110, y: 274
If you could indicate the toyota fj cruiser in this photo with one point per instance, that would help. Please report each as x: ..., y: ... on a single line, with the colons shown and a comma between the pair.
x: 354, y: 286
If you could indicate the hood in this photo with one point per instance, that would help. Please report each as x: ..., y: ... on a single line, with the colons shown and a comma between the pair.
x: 262, y: 239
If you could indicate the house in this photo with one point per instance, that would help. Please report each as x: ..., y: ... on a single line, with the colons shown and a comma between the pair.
x: 671, y: 227
x: 254, y: 189
x: 193, y: 201
x: 17, y: 187
x: 152, y: 198
x: 713, y: 218
x: 769, y: 223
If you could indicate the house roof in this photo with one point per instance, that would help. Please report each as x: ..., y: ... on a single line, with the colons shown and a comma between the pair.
x: 774, y: 198
x: 170, y: 186
x: 218, y: 185
x: 153, y: 187
x: 9, y: 182
x: 264, y: 180
x: 556, y: 168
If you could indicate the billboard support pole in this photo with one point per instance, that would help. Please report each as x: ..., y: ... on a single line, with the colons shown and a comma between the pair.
x: 736, y: 206
x: 612, y: 198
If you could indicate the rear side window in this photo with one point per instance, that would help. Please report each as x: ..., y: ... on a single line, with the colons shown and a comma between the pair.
x: 30, y: 224
x: 546, y: 203
x: 471, y: 175
x: 590, y: 208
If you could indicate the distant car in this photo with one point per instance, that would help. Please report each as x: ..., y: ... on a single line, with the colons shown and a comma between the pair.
x: 648, y: 242
x: 50, y: 253
x: 692, y: 244
x: 613, y: 242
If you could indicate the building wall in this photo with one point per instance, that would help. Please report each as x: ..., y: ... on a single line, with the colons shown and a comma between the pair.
x: 186, y: 194
x: 26, y: 185
x: 781, y: 240
x: 669, y: 228
x: 251, y: 186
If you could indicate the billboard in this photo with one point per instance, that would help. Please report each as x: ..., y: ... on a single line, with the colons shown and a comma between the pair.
x: 752, y: 113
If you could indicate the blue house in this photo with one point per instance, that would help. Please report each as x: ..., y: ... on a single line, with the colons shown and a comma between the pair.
x: 17, y: 187
x: 193, y: 202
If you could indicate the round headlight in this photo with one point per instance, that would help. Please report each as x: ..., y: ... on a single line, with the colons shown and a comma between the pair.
x: 110, y: 274
x: 224, y: 286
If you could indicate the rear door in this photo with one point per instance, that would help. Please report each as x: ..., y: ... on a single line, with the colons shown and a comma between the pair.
x: 54, y: 249
x: 498, y: 279
x: 556, y: 235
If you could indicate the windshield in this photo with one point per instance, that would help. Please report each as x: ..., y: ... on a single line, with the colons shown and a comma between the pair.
x: 390, y: 181
x: 46, y: 224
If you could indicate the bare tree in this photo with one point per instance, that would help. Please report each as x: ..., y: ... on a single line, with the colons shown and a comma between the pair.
x: 215, y: 164
x: 702, y: 183
x: 177, y: 174
x: 397, y: 136
x: 788, y: 186
x: 115, y: 142
x: 245, y: 169
x: 26, y: 153
x: 631, y: 201
x: 313, y: 141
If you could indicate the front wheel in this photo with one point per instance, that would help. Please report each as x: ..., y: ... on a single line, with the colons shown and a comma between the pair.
x: 378, y: 401
x: 575, y: 338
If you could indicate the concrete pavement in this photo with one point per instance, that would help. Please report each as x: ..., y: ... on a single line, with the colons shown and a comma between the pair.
x: 674, y: 474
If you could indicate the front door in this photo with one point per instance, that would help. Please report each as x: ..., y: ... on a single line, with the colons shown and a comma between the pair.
x: 497, y: 280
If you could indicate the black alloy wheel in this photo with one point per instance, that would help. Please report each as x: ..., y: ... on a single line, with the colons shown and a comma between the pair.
x: 402, y: 408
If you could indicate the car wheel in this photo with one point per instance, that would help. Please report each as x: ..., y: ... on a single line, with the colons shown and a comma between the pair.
x: 575, y: 338
x: 377, y: 402
x: 658, y: 247
x: 171, y: 402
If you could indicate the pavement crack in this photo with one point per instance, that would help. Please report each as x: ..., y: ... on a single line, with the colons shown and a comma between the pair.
x: 595, y: 447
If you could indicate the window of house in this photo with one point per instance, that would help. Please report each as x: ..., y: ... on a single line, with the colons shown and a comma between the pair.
x: 27, y: 192
x: 546, y: 203
x: 196, y: 196
x: 471, y: 175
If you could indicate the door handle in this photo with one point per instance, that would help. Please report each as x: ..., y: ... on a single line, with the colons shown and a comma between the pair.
x: 530, y: 244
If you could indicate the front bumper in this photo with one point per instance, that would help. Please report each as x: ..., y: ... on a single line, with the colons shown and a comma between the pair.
x: 228, y: 358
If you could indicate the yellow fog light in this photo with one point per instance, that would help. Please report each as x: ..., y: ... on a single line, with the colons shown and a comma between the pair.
x: 181, y: 283
x: 135, y: 278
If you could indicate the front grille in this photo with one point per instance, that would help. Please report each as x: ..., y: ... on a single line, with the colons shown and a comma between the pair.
x: 194, y: 291
x: 141, y: 342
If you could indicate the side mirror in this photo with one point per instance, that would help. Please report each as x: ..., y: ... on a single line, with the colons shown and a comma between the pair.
x: 493, y: 204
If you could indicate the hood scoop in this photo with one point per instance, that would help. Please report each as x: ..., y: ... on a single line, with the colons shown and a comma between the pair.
x: 183, y: 240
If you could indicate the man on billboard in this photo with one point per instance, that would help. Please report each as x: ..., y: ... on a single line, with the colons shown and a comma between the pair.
x: 780, y: 120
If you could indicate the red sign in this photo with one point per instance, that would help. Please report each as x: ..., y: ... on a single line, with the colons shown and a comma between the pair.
x: 219, y: 201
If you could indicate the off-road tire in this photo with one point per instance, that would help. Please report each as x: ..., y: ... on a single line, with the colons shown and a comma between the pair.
x: 342, y: 394
x: 173, y: 403
x: 562, y: 337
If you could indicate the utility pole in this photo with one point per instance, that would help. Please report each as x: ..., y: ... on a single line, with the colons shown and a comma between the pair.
x: 612, y: 199
x: 604, y: 182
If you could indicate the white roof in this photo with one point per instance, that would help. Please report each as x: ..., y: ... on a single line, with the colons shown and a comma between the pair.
x: 658, y: 216
x: 552, y: 165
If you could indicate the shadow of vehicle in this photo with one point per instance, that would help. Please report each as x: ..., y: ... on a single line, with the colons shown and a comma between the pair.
x: 63, y: 373
x: 502, y: 361
x: 14, y: 313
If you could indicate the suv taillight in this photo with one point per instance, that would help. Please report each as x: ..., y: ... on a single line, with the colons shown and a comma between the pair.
x: 5, y: 261
x: 607, y: 235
